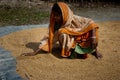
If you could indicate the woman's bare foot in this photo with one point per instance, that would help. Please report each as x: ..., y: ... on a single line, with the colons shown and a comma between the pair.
x: 97, y: 55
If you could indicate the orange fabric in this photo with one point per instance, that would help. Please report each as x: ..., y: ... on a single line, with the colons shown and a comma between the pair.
x: 67, y: 31
x: 85, y: 39
x: 51, y: 34
x: 65, y: 53
x: 64, y: 9
x: 85, y: 33
x: 45, y: 48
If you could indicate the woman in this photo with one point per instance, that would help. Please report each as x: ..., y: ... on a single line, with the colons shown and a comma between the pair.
x: 75, y: 34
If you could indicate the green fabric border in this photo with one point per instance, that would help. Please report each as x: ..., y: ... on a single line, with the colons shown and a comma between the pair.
x: 80, y: 50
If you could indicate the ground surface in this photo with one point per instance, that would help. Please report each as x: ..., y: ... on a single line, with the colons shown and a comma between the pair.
x: 51, y: 67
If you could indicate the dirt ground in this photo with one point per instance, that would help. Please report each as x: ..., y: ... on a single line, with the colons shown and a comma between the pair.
x: 49, y: 66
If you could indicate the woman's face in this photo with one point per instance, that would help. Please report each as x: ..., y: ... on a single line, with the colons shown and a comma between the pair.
x: 57, y: 17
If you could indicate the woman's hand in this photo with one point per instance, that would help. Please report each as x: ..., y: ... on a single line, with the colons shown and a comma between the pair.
x: 32, y: 53
x: 28, y: 54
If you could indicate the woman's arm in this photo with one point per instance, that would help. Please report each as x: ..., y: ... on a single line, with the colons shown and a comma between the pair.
x: 31, y: 53
x: 42, y: 43
x: 94, y: 39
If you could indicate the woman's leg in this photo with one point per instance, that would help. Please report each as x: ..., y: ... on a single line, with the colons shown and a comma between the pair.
x: 66, y: 43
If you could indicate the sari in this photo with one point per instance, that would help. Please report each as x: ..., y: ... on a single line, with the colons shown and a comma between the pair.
x: 75, y: 30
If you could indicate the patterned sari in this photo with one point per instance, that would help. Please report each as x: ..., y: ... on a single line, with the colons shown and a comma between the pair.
x: 75, y: 30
